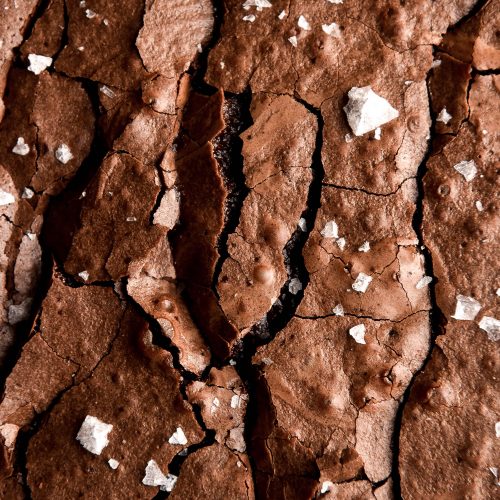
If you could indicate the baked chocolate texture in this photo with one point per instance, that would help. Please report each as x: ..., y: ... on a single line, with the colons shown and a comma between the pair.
x: 248, y: 249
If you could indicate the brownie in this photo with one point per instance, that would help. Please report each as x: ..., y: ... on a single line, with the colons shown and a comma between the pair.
x: 248, y: 249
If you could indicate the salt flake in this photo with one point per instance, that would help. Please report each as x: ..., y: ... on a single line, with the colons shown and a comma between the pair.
x: 338, y: 310
x: 479, y: 206
x: 467, y: 168
x: 336, y: 2
x: 6, y: 198
x: 423, y: 281
x: 293, y: 40
x: 63, y: 154
x: 366, y: 110
x: 90, y: 14
x: 341, y: 243
x: 497, y: 429
x: 436, y: 63
x: 107, y: 91
x: 155, y: 477
x: 377, y: 134
x: 236, y: 401
x: 28, y: 193
x: 178, y: 437
x: 326, y: 486
x: 302, y: 23
x: 250, y: 18
x: 332, y: 29
x: 21, y: 148
x: 466, y: 308
x: 93, y: 434
x: 302, y: 224
x: 113, y: 463
x: 491, y: 326
x: 84, y: 275
x: 295, y: 286
x: 260, y: 4
x: 365, y: 247
x: 444, y: 117
x: 38, y: 63
x: 331, y: 230
x: 282, y: 15
x: 361, y: 282
x: 358, y: 333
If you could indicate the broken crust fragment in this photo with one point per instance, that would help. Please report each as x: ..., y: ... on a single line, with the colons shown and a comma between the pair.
x: 392, y: 267
x: 457, y: 387
x: 135, y: 389
x: 59, y: 361
x: 277, y: 171
x: 162, y: 300
x: 327, y: 412
x: 223, y: 401
x: 205, y: 474
x: 454, y: 230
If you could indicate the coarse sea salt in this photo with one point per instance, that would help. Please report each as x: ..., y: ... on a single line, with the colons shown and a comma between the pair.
x: 358, y: 333
x: 93, y: 434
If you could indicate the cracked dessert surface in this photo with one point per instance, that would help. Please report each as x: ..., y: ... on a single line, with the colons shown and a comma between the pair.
x: 249, y: 249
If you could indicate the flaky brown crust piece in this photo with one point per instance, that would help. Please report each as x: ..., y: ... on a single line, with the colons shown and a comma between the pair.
x: 248, y: 249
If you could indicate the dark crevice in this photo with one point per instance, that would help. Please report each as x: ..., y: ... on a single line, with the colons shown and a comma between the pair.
x: 227, y: 151
x: 281, y: 313
x: 437, y: 319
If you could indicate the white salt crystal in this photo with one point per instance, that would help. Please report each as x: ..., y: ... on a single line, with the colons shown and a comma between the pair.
x: 21, y: 148
x: 63, y: 154
x: 332, y: 29
x: 295, y: 286
x: 361, y: 282
x: 6, y: 198
x: 467, y: 168
x: 38, y: 63
x: 365, y: 247
x: 338, y: 310
x: 93, y: 434
x: 358, y: 333
x: 250, y: 18
x: 302, y: 23
x: 178, y: 437
x: 282, y: 15
x: 366, y: 110
x: 466, y: 308
x: 302, y: 224
x: 28, y: 193
x: 444, y: 117
x: 331, y: 230
x: 84, y: 275
x: 293, y: 40
x: 491, y: 326
x: 423, y: 281
x: 155, y: 477
x: 113, y: 463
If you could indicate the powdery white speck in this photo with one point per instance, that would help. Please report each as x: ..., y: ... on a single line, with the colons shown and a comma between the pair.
x: 239, y: 464
x: 106, y: 22
x: 361, y: 282
x: 113, y: 463
x: 467, y: 168
x: 444, y: 117
x: 408, y: 82
x: 84, y: 275
x: 466, y: 308
x: 336, y: 2
x: 436, y: 63
x: 491, y: 326
x: 178, y: 437
x: 131, y: 219
x: 232, y: 362
x: 250, y: 18
x: 82, y: 4
x: 302, y: 23
x: 293, y: 40
x: 295, y: 286
x: 6, y: 198
x: 38, y: 63
x: 90, y: 13
x: 365, y: 247
x: 282, y: 15
x: 326, y: 485
x: 302, y: 224
x: 331, y: 230
x: 338, y: 310
x: 155, y: 477
x: 81, y: 48
x: 28, y: 193
x: 377, y: 134
x: 497, y: 429
x: 107, y: 91
x: 479, y: 206
x: 63, y: 154
x: 358, y: 333
x: 498, y: 292
x: 348, y: 138
x: 332, y: 29
x: 21, y: 148
x: 366, y: 110
x: 93, y: 434
x: 423, y: 281
x: 341, y: 243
